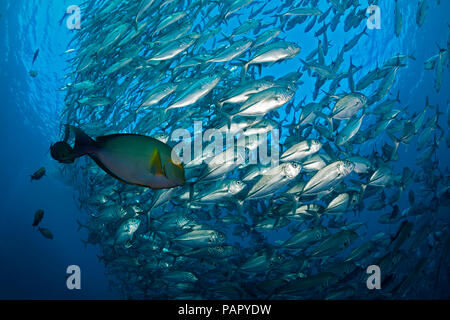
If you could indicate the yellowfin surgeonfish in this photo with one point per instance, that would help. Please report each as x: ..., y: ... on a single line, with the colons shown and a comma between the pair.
x: 130, y: 158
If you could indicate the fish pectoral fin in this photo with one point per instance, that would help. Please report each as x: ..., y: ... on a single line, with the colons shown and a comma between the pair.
x: 156, y: 167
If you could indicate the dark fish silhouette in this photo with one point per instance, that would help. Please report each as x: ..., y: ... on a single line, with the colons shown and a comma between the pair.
x: 38, y: 216
x: 38, y: 174
x: 35, y: 56
x: 46, y: 233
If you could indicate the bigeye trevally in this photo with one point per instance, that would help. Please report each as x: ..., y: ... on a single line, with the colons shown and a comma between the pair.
x: 131, y: 158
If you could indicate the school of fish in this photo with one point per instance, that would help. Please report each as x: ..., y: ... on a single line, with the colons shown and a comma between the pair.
x: 297, y: 230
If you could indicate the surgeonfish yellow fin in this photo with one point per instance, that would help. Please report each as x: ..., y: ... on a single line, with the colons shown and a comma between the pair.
x: 179, y: 165
x: 155, y: 164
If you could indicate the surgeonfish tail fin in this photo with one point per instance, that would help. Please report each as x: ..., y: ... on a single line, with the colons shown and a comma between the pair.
x: 83, y: 143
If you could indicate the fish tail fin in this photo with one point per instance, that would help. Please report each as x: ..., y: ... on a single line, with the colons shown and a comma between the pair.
x: 220, y: 103
x: 333, y: 123
x: 119, y: 193
x: 398, y: 97
x: 225, y: 115
x: 363, y: 189
x: 396, y: 140
x: 79, y: 225
x: 240, y: 206
x: 438, y: 111
x: 350, y: 76
x: 83, y: 143
x: 351, y: 64
x: 304, y: 62
x: 330, y: 94
x: 226, y: 37
x: 137, y: 109
x: 439, y: 48
x: 244, y: 71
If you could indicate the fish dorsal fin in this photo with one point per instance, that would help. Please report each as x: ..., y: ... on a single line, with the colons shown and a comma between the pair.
x: 155, y: 164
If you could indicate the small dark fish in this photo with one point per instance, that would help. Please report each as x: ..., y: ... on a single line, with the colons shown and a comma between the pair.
x: 38, y: 216
x: 46, y: 233
x: 38, y: 174
x: 33, y: 73
x: 36, y: 53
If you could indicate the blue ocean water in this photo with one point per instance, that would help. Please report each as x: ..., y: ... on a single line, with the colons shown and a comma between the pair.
x: 32, y: 267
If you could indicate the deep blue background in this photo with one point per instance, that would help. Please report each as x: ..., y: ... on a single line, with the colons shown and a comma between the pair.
x: 32, y: 267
